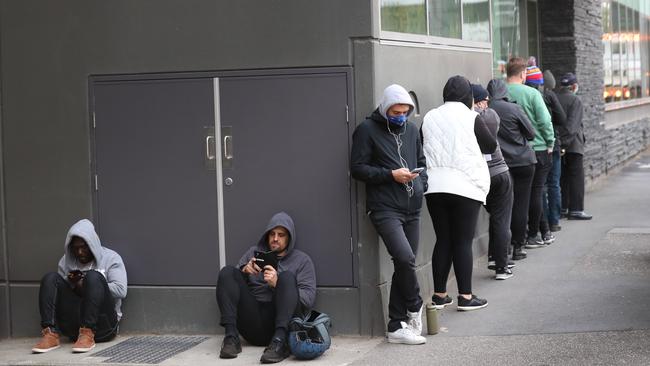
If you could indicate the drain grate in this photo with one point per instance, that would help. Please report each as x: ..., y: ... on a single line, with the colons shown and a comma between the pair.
x: 148, y: 349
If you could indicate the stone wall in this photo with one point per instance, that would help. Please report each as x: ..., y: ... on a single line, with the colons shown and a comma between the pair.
x: 574, y: 45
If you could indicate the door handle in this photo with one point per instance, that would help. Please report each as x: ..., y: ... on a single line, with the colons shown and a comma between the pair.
x: 227, y: 147
x: 208, y: 156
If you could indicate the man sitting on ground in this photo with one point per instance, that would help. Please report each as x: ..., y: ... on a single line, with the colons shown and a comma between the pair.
x: 82, y: 301
x: 258, y: 299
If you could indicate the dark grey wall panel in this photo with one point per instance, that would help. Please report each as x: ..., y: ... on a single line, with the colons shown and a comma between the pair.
x: 25, y: 320
x: 195, y: 310
x: 4, y: 311
x: 49, y: 50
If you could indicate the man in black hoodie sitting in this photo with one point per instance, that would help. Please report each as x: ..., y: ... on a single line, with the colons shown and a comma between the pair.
x: 259, y: 299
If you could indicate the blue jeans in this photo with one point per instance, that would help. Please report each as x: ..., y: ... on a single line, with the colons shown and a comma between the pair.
x: 553, y: 197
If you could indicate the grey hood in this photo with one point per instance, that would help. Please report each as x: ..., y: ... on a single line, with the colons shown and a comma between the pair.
x: 498, y: 89
x: 107, y: 262
x: 279, y: 219
x: 294, y: 261
x: 85, y: 230
x: 395, y: 94
x: 549, y: 80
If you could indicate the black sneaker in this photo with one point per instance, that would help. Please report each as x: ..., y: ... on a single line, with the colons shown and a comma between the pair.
x: 492, y: 265
x: 230, y: 347
x: 548, y: 238
x: 474, y: 303
x: 555, y: 227
x: 440, y: 302
x: 275, y: 352
x: 564, y: 213
x: 579, y: 215
x: 534, y: 242
x: 503, y: 274
x: 518, y: 253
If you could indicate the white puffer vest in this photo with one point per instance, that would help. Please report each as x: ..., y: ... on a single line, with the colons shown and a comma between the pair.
x: 455, y: 163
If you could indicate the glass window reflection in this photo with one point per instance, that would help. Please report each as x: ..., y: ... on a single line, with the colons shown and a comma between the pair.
x: 406, y: 16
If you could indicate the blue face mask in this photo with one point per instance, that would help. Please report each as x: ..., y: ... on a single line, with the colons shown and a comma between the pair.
x: 397, y: 120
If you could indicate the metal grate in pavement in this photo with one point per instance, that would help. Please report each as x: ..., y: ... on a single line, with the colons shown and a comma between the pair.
x: 148, y: 349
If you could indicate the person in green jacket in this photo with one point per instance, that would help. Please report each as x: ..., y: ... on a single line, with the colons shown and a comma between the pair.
x: 532, y: 102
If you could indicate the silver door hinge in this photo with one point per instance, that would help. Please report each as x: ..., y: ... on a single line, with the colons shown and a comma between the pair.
x: 96, y: 183
x: 347, y: 114
x: 351, y: 246
x: 94, y: 122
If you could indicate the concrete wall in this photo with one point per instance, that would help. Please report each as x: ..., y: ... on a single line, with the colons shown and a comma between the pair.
x: 48, y: 52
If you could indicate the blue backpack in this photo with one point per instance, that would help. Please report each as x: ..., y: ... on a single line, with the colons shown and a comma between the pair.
x: 309, y: 336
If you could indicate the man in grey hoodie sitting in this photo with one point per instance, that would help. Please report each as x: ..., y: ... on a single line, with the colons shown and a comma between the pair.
x: 259, y: 300
x: 82, y: 300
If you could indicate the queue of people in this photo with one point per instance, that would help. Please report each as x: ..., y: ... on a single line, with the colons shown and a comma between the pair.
x: 500, y: 148
x: 515, y: 148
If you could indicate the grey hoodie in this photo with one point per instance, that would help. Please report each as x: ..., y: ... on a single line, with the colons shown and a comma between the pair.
x: 107, y: 262
x: 295, y: 261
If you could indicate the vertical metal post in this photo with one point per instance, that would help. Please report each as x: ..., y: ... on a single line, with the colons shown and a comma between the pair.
x: 219, y: 176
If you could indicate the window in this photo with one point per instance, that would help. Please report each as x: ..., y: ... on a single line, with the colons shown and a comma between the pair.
x: 625, y: 44
x: 467, y: 20
x: 405, y: 16
x: 506, y: 35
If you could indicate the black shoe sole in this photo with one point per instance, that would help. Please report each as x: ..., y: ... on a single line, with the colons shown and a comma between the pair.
x: 471, y: 308
x: 227, y: 355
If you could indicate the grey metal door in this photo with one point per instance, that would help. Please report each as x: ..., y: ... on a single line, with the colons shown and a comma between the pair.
x: 156, y: 201
x: 284, y: 141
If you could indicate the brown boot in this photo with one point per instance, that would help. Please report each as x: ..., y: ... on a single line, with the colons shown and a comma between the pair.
x: 49, y: 341
x: 85, y: 342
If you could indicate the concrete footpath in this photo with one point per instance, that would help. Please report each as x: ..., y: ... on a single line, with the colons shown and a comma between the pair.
x: 584, y: 300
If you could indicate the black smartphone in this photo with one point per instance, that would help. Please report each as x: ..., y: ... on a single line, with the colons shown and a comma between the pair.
x: 75, y: 275
x: 266, y: 259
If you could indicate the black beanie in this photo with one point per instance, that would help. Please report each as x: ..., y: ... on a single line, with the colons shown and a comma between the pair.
x: 479, y: 93
x: 458, y: 89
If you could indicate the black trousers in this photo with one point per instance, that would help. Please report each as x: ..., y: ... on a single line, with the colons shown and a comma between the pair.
x: 401, y: 236
x: 454, y: 220
x: 255, y: 320
x: 522, y: 180
x: 572, y: 182
x: 67, y: 311
x: 499, y: 205
x: 542, y: 168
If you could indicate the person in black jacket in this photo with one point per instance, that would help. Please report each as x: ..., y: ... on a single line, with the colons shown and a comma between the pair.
x: 573, y: 142
x: 385, y: 150
x: 514, y: 133
x: 499, y: 200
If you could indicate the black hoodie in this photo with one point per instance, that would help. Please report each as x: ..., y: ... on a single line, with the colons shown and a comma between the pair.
x: 515, y: 128
x: 379, y: 147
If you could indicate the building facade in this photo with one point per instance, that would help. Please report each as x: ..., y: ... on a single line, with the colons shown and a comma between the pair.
x: 179, y: 128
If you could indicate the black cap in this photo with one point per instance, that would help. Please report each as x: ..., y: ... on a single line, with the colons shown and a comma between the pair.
x: 568, y: 79
x: 479, y: 93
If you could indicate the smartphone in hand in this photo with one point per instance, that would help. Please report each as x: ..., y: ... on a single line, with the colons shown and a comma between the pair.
x: 417, y: 170
x: 266, y: 259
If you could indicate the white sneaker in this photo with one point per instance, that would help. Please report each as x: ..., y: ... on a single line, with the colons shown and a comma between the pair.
x: 415, y: 320
x: 405, y: 335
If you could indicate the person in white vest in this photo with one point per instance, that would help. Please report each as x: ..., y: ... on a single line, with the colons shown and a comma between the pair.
x: 455, y: 138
